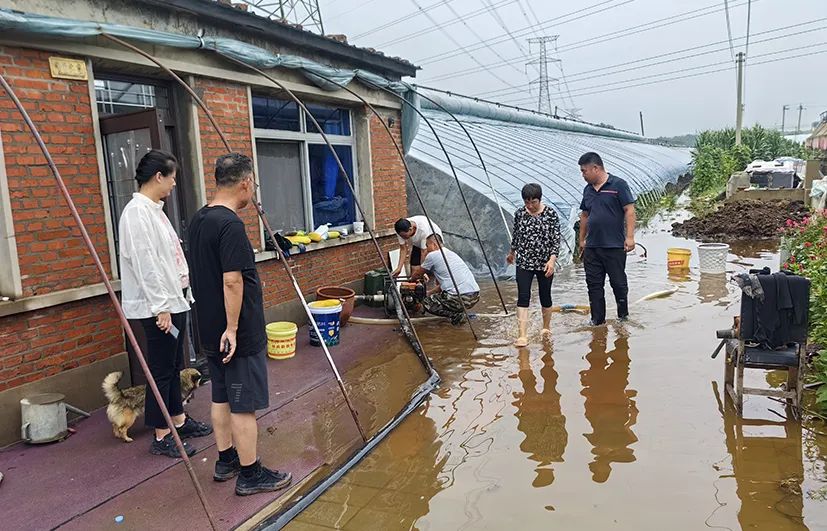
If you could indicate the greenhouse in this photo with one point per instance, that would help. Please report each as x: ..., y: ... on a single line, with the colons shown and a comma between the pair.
x: 516, y: 147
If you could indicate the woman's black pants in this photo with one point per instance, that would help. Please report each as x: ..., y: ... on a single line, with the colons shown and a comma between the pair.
x: 525, y: 278
x: 165, y: 357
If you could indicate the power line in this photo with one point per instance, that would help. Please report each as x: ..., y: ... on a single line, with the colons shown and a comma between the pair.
x: 496, y: 16
x: 729, y: 30
x: 442, y: 29
x: 403, y: 18
x: 728, y: 68
x: 531, y: 10
x: 633, y: 30
x: 451, y: 22
x: 477, y: 35
x: 350, y: 10
x: 647, y: 26
x: 522, y: 32
x: 612, y: 70
x: 572, y: 111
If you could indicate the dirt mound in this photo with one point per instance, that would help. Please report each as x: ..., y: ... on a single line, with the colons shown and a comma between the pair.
x: 742, y: 219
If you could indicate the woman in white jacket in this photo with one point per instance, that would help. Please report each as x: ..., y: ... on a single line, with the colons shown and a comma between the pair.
x: 154, y: 286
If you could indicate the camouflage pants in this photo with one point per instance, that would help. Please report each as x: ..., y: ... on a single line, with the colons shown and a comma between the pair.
x: 444, y: 304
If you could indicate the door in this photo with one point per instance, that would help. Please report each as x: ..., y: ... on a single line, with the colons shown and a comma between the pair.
x: 127, y: 138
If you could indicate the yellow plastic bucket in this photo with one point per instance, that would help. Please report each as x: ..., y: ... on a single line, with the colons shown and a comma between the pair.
x: 677, y: 258
x: 281, y: 340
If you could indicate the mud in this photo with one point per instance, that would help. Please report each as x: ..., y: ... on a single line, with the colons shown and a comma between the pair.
x: 742, y: 220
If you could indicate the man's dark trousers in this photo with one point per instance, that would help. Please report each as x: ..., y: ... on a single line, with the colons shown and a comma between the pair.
x: 598, y: 263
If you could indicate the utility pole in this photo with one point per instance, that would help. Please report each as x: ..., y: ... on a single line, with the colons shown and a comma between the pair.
x: 642, y: 132
x: 305, y: 13
x: 784, y: 110
x: 739, y: 112
x: 544, y: 101
x: 800, y: 110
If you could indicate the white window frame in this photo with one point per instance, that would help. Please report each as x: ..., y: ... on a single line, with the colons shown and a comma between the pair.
x: 305, y: 139
x: 11, y: 283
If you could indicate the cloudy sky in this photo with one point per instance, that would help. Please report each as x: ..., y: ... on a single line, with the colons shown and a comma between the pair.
x: 676, y: 53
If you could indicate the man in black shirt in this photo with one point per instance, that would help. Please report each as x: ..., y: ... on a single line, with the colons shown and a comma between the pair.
x: 231, y: 326
x: 607, y: 233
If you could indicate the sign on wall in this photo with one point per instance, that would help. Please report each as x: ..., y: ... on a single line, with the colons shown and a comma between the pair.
x: 64, y: 68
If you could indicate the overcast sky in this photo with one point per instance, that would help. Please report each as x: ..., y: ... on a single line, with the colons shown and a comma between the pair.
x: 595, y: 82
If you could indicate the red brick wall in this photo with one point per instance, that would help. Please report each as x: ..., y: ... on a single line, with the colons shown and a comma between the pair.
x: 390, y: 199
x: 51, y: 253
x: 45, y: 342
x: 327, y: 267
x: 229, y: 105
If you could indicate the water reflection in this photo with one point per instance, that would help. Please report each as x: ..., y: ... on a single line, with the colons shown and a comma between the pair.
x: 767, y: 463
x: 713, y: 289
x: 540, y: 418
x: 679, y: 275
x: 610, y: 406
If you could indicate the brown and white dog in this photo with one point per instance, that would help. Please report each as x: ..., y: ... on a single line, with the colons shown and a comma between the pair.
x: 126, y: 405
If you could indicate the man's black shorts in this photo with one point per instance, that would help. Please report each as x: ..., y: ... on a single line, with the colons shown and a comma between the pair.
x: 242, y: 383
x: 416, y: 257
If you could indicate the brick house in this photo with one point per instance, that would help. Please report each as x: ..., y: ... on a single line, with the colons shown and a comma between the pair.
x: 58, y: 330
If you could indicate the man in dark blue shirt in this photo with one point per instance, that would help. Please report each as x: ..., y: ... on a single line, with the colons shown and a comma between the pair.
x: 607, y: 233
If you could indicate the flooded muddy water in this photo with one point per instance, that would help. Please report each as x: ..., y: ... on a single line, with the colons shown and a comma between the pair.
x: 623, y: 426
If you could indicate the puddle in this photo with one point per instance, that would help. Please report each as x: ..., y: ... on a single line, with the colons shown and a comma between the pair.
x: 622, y: 426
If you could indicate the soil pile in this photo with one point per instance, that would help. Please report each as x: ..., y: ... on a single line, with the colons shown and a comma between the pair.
x: 742, y: 219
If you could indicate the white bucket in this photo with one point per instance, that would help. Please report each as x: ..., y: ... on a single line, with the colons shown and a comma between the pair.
x: 358, y: 227
x: 712, y: 257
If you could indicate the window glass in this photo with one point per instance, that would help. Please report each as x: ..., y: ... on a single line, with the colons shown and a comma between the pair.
x: 331, y: 196
x: 280, y: 179
x: 334, y: 121
x: 119, y: 97
x: 272, y: 113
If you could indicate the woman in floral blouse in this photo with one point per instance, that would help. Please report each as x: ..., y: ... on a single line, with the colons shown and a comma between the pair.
x: 534, y: 246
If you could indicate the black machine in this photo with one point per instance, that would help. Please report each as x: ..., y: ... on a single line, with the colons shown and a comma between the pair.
x: 412, y: 295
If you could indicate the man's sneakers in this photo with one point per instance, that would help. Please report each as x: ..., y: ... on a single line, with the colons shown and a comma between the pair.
x: 258, y: 478
x: 166, y: 446
x: 228, y: 465
x: 192, y: 428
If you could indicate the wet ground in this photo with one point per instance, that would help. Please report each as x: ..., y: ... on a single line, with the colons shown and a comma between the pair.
x: 622, y: 426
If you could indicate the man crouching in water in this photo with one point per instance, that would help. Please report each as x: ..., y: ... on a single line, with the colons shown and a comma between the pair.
x: 446, y: 300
